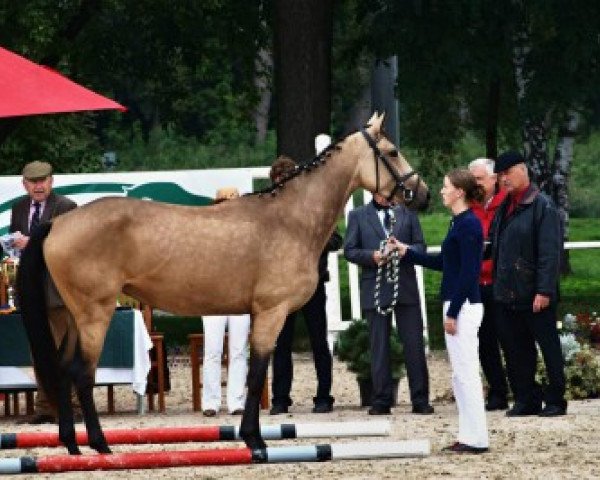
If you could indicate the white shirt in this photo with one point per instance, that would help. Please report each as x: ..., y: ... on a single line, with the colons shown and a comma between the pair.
x: 381, y: 215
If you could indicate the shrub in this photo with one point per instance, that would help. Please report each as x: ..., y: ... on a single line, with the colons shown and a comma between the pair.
x: 353, y: 347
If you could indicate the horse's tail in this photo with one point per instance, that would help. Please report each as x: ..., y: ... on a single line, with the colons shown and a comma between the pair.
x: 31, y: 294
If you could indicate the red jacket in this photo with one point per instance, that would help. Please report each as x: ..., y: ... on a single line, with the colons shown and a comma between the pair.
x: 485, y: 214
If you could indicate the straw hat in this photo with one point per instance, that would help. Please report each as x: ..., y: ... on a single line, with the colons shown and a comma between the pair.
x: 226, y: 193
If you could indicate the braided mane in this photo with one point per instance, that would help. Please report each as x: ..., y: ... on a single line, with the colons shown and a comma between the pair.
x: 305, y: 166
x: 300, y: 168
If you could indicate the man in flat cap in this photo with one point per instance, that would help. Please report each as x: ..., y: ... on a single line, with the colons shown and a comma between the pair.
x: 526, y: 242
x: 40, y: 205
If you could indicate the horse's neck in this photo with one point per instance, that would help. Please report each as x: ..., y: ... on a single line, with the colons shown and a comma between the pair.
x: 320, y: 196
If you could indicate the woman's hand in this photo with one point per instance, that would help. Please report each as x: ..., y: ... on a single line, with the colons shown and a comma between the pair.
x: 450, y: 325
x: 398, y: 246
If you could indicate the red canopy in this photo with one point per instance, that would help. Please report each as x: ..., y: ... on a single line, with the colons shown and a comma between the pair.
x: 29, y: 89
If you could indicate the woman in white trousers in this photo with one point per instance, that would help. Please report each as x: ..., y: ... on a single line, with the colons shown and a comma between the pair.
x: 460, y: 263
x: 238, y: 328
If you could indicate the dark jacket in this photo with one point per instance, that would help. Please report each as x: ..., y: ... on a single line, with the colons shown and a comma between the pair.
x: 334, y: 243
x: 55, y: 205
x: 526, y: 250
x: 364, y: 234
x: 459, y: 261
x: 19, y: 221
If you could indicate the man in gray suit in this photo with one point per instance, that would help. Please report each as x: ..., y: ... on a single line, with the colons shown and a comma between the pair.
x: 40, y: 205
x: 367, y: 227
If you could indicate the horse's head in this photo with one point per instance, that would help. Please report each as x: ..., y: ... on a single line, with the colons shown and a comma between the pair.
x: 382, y: 169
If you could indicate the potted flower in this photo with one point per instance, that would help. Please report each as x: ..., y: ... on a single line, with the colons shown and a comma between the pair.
x: 353, y: 347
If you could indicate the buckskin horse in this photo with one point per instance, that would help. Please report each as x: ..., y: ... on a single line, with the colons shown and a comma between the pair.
x: 254, y: 254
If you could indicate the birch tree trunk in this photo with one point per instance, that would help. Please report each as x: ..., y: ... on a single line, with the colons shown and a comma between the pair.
x: 535, y: 145
x: 561, y: 168
x: 535, y: 131
x: 264, y: 68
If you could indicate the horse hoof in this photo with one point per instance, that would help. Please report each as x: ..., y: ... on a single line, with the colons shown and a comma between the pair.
x: 254, y: 442
x: 73, y: 450
x: 101, y: 448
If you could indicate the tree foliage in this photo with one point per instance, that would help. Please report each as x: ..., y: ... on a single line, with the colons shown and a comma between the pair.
x: 188, y: 66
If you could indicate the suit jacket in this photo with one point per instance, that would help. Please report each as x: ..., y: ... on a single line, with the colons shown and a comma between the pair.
x: 363, y: 236
x: 55, y: 205
x: 19, y: 221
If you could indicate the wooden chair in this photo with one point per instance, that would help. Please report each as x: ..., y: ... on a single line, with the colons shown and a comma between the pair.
x: 12, y: 399
x: 3, y: 289
x: 196, y: 355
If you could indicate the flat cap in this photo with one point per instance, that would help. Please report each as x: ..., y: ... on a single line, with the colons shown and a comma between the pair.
x: 37, y: 170
x: 507, y: 160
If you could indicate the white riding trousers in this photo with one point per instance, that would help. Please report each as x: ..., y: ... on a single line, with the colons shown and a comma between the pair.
x: 466, y: 380
x: 238, y: 327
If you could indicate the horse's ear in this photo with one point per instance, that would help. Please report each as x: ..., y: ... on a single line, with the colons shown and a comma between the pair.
x: 376, y: 122
x: 373, y: 118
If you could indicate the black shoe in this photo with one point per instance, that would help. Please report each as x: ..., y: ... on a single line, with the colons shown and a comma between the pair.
x: 278, y: 409
x: 553, y: 411
x: 41, y: 419
x: 238, y: 411
x: 379, y: 410
x: 209, y: 412
x: 522, y: 410
x: 458, y: 447
x: 496, y: 404
x: 424, y: 409
x: 322, y: 407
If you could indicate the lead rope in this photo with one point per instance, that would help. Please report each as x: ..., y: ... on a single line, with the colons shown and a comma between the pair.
x: 392, y: 269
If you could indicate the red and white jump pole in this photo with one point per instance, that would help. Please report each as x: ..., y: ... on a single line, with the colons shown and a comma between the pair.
x: 204, y: 433
x: 124, y: 461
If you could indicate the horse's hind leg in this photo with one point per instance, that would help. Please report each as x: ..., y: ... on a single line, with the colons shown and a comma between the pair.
x: 92, y: 331
x: 66, y: 425
x: 64, y: 334
x: 83, y: 377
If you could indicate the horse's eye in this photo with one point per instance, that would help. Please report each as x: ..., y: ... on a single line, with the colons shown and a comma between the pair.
x: 393, y: 153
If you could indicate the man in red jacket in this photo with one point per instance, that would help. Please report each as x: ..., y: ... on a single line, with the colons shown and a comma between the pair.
x: 489, y: 348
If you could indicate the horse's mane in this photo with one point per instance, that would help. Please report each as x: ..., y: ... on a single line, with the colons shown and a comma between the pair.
x: 300, y: 168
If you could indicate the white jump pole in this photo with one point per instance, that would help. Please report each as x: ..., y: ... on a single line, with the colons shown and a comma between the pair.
x: 325, y: 429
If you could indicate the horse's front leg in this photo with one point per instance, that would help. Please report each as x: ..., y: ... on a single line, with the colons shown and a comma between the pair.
x: 257, y: 375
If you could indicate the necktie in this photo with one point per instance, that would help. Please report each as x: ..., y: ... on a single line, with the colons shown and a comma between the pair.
x: 35, y: 218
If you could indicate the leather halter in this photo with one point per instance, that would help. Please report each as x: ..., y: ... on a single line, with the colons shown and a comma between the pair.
x: 408, y: 194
